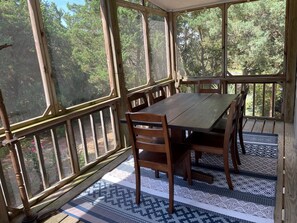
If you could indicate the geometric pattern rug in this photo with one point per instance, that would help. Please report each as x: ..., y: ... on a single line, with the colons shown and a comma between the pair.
x: 112, y: 198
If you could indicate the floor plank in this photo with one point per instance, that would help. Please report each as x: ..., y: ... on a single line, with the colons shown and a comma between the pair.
x: 258, y: 126
x: 80, y: 184
x: 269, y: 126
x: 249, y: 124
x: 290, y: 175
x: 70, y: 219
x: 57, y: 218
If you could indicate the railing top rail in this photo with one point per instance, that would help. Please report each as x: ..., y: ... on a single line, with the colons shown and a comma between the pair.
x: 239, y: 79
x: 35, y: 127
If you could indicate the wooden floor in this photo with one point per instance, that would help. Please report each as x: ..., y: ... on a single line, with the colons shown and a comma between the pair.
x: 286, y: 204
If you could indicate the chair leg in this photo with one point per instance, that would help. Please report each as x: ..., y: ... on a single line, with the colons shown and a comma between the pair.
x: 137, y: 176
x: 236, y: 149
x: 198, y: 155
x: 171, y: 193
x: 240, y: 136
x: 227, y: 171
x: 188, y: 168
x: 157, y: 174
x: 234, y: 156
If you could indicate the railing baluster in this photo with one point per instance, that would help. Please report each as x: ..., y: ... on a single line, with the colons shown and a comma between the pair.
x: 71, y: 144
x: 42, y: 168
x: 104, y: 131
x: 254, y: 98
x: 83, y: 140
x: 24, y: 170
x: 273, y: 100
x: 57, y: 153
x: 263, y: 99
x: 112, y: 126
x: 95, y: 140
x: 3, y: 186
x: 116, y: 125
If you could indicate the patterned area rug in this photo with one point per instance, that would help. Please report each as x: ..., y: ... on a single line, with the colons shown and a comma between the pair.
x: 112, y: 198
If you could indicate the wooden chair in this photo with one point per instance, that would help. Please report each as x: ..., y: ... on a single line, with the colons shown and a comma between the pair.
x: 210, y: 86
x: 218, y: 143
x: 137, y: 101
x: 158, y: 153
x: 221, y: 125
x: 157, y: 94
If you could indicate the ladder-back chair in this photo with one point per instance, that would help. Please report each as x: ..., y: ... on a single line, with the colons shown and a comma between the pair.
x: 157, y: 94
x: 158, y: 153
x: 137, y: 101
x: 218, y: 143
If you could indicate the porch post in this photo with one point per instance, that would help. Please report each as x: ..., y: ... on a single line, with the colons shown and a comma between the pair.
x: 118, y: 69
x: 291, y: 60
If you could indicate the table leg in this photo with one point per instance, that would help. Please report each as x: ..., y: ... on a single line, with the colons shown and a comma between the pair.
x: 178, y: 136
x: 205, y: 177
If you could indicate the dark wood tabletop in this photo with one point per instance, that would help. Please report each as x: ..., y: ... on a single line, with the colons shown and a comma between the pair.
x: 192, y: 111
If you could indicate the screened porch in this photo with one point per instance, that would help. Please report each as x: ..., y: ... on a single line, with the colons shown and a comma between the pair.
x: 67, y: 68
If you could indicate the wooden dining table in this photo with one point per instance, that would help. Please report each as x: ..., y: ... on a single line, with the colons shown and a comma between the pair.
x: 192, y: 112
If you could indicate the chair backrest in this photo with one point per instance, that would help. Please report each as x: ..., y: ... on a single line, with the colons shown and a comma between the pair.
x: 232, y: 120
x: 137, y: 101
x: 210, y: 86
x: 153, y: 140
x: 157, y: 94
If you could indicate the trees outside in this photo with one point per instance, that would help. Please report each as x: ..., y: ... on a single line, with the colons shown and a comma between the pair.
x: 132, y: 46
x: 255, y: 45
x: 20, y: 81
x: 199, y: 43
x: 256, y: 37
x: 255, y: 40
x: 77, y: 52
x: 76, y: 44
x: 158, y: 47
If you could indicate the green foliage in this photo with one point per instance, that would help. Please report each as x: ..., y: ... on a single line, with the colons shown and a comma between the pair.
x: 199, y: 41
x: 132, y: 45
x: 20, y: 80
x: 256, y: 36
x: 255, y: 41
x: 158, y: 55
x: 4, y: 151
x: 76, y: 43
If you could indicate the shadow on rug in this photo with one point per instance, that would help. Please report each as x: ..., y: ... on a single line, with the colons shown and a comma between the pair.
x: 112, y: 198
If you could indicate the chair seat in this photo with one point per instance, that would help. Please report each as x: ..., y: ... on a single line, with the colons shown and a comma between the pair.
x: 179, y: 152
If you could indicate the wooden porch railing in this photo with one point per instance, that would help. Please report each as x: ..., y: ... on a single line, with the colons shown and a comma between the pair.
x: 53, y: 152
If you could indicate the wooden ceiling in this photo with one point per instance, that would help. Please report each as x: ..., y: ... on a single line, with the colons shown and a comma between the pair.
x: 180, y: 5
